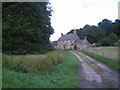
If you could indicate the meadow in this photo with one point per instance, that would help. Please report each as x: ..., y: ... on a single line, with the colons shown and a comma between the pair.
x: 57, y: 69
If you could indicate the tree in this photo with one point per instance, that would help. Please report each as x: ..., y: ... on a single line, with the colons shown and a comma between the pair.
x: 116, y: 26
x: 109, y: 41
x: 106, y: 25
x: 113, y: 38
x: 102, y: 33
x: 26, y: 27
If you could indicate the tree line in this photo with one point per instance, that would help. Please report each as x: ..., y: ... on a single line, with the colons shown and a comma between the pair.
x: 26, y: 27
x: 106, y: 33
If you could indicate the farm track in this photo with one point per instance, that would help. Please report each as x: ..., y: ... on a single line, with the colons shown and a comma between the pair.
x: 106, y: 77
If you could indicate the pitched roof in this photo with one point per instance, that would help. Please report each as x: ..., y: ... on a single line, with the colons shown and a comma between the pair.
x: 80, y: 41
x: 71, y: 36
x: 54, y: 43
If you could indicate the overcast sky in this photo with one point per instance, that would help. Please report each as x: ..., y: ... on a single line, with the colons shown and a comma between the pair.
x: 70, y: 14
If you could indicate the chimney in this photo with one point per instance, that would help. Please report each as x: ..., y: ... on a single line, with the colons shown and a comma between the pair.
x: 61, y: 34
x: 74, y: 31
x: 85, y: 38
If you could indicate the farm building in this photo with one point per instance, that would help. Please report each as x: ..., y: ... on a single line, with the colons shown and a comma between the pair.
x: 70, y: 41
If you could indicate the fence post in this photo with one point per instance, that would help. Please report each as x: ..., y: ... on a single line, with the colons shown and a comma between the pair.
x: 110, y: 55
x: 102, y: 53
x: 96, y: 52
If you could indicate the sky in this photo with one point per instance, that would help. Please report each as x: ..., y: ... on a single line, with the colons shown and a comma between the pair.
x: 70, y: 14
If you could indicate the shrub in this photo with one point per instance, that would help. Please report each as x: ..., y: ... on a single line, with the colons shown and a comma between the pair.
x: 75, y: 47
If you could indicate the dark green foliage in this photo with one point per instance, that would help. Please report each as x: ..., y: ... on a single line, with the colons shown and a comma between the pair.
x: 106, y: 25
x: 106, y: 33
x: 75, y: 47
x: 109, y: 41
x: 26, y: 27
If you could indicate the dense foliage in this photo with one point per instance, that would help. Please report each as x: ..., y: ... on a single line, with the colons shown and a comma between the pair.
x: 26, y: 27
x: 106, y: 33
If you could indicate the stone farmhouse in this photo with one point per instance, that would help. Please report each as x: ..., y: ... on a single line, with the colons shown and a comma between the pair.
x: 70, y: 41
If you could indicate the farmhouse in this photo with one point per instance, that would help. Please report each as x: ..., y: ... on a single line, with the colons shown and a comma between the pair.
x: 71, y: 41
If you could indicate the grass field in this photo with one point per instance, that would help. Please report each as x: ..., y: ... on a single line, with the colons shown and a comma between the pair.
x: 109, y: 52
x: 62, y: 75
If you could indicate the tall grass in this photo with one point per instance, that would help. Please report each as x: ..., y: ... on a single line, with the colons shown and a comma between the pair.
x: 33, y: 63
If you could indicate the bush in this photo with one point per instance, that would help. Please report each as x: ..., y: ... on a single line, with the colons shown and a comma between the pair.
x: 108, y: 41
x: 75, y: 47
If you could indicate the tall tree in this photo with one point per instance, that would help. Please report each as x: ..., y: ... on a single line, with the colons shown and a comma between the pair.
x: 106, y: 25
x: 26, y: 27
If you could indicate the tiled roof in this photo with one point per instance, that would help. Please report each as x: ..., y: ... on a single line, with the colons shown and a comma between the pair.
x: 71, y: 36
x: 54, y: 43
x: 79, y: 41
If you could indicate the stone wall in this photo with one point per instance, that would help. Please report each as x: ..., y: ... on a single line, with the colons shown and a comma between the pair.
x: 64, y: 44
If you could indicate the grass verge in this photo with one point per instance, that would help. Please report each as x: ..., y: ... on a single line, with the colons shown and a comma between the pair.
x: 111, y: 63
x: 63, y: 75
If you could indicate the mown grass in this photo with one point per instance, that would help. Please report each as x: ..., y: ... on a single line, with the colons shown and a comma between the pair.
x: 63, y: 75
x: 110, y: 62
